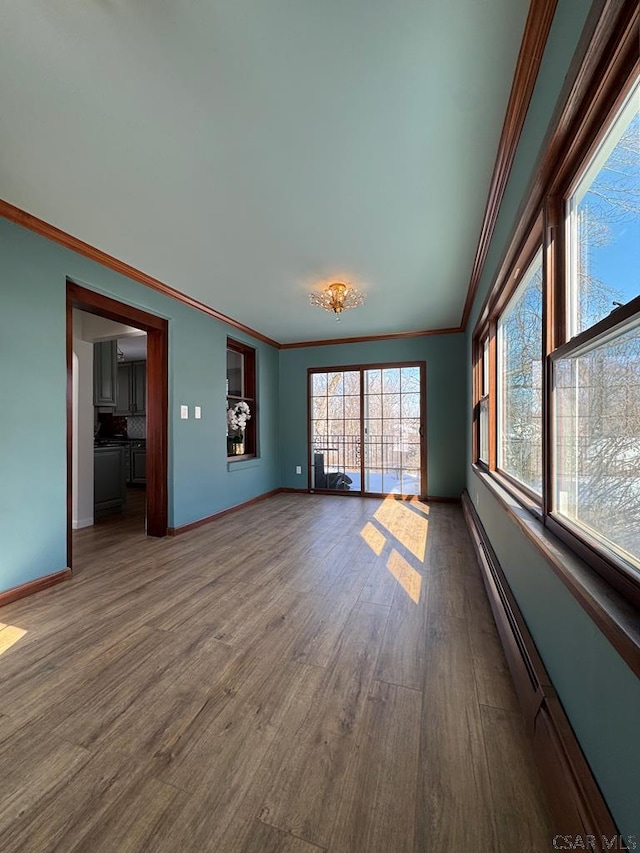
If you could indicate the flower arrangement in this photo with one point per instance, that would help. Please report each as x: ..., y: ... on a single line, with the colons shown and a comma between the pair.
x: 237, y: 416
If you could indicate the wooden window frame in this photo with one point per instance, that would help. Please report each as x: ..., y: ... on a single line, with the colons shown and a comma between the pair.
x: 600, y: 81
x: 250, y: 396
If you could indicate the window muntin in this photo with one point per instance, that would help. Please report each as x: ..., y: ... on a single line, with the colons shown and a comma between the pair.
x: 597, y: 440
x: 520, y: 381
x: 603, y: 223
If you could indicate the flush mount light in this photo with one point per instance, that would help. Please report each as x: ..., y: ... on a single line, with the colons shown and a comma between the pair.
x: 337, y: 297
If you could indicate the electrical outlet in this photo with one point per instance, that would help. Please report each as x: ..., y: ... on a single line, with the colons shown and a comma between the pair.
x: 197, y: 412
x: 298, y: 469
x: 184, y: 412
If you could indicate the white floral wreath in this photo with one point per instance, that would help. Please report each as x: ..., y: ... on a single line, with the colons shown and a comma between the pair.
x: 238, y: 415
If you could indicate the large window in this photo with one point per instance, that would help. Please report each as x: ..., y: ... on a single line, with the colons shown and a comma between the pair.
x: 520, y: 381
x: 557, y: 345
x: 242, y: 414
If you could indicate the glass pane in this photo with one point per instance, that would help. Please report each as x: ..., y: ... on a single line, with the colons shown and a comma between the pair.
x: 597, y: 442
x: 335, y: 384
x: 336, y: 407
x: 319, y: 428
x: 411, y: 405
x: 410, y: 379
x: 373, y: 406
x: 391, y: 406
x: 604, y: 223
x: 319, y: 383
x: 485, y: 368
x: 411, y: 481
x: 391, y: 380
x: 352, y: 407
x: 351, y: 380
x: 484, y: 430
x: 319, y: 407
x: 352, y: 428
x: 373, y: 381
x: 520, y: 381
x: 235, y: 378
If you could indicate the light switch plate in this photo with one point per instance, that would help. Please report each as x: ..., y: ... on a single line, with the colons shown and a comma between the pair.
x: 197, y: 412
x: 298, y: 469
x: 184, y: 412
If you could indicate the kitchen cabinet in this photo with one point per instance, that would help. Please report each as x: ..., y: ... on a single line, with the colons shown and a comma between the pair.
x: 131, y: 388
x: 105, y: 363
x: 109, y: 478
x: 138, y: 465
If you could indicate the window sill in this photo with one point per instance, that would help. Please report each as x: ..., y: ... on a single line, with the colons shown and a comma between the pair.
x: 616, y: 617
x: 241, y: 463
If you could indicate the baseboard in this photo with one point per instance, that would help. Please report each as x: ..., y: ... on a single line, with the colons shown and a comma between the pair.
x: 193, y: 525
x: 32, y: 587
x: 78, y: 524
x: 575, y: 800
x: 441, y: 499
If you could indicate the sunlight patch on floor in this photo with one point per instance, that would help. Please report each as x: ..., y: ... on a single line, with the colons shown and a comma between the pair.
x: 9, y: 636
x: 374, y: 538
x: 404, y: 524
x: 408, y: 578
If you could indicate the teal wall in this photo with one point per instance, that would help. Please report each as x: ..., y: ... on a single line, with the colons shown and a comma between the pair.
x: 600, y: 694
x: 445, y: 356
x: 33, y: 419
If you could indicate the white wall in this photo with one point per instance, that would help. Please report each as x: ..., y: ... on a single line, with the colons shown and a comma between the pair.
x: 90, y: 327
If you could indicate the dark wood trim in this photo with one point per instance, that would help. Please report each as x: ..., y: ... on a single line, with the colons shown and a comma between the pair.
x: 44, y: 229
x: 604, y: 59
x: 392, y: 336
x: 249, y: 356
x: 614, y: 615
x: 193, y: 525
x: 534, y: 40
x: 69, y: 449
x: 595, y: 334
x: 576, y: 802
x: 31, y: 587
x: 157, y: 330
x: 424, y: 472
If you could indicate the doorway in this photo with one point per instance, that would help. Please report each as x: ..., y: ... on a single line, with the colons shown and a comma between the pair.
x: 156, y: 399
x: 367, y: 429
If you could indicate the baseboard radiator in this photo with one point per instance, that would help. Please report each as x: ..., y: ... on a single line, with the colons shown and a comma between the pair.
x: 576, y: 802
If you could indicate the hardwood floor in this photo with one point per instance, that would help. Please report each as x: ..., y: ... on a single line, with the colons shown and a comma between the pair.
x: 311, y: 673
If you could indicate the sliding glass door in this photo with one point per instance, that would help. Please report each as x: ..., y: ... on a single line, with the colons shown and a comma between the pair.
x: 367, y: 429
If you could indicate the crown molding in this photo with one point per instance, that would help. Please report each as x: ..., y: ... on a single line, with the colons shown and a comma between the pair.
x: 358, y: 340
x: 45, y: 229
x: 534, y: 40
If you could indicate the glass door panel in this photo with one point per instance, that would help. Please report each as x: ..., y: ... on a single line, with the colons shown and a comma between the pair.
x: 392, y: 433
x: 336, y: 414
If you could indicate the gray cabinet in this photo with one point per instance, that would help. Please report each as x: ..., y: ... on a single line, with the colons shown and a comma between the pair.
x: 138, y: 465
x: 131, y: 388
x: 109, y: 479
x: 139, y: 387
x: 105, y: 362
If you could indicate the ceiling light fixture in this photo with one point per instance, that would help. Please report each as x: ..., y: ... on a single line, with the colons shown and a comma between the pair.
x: 337, y: 298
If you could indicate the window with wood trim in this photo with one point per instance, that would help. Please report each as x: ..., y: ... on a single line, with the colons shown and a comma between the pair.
x: 557, y: 345
x: 519, y: 339
x: 242, y: 410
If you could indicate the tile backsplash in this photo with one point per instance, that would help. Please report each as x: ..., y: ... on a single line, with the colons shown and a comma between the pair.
x: 137, y: 426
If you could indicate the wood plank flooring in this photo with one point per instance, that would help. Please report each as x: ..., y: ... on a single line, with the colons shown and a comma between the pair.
x: 312, y: 673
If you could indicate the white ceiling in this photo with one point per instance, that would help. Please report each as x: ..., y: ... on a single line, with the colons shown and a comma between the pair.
x: 243, y: 150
